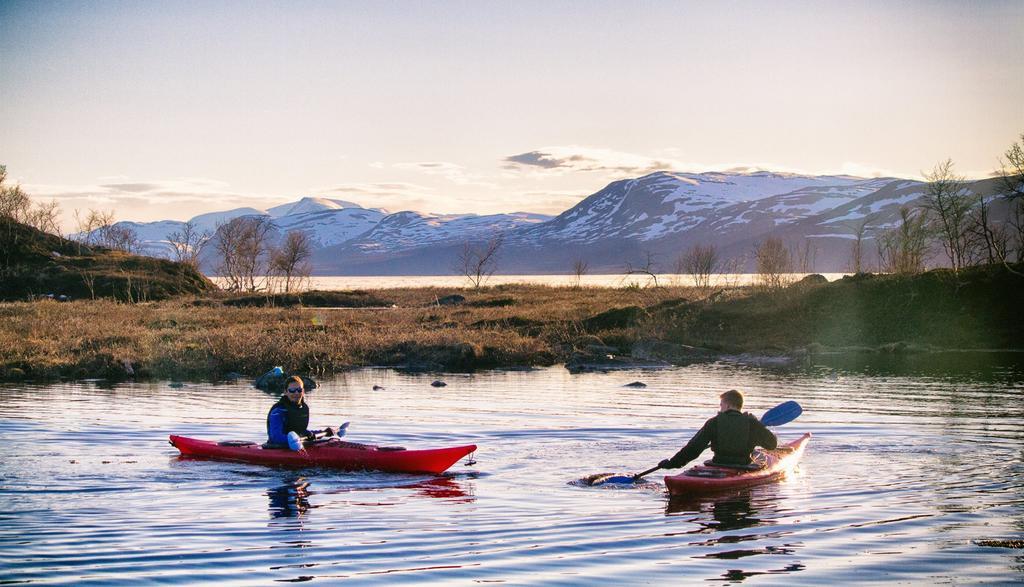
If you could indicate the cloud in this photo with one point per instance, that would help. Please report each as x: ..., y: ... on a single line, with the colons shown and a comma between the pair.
x: 387, y: 195
x: 179, y: 199
x: 576, y: 158
x: 619, y: 164
x: 451, y: 171
x: 131, y: 187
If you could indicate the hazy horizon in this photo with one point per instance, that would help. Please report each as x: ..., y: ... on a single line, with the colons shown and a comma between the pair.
x: 169, y: 110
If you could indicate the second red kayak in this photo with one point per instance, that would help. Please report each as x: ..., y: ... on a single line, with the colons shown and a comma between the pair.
x: 347, y: 456
x: 710, y: 479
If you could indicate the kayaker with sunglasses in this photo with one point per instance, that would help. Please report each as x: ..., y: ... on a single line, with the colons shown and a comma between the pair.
x: 291, y: 414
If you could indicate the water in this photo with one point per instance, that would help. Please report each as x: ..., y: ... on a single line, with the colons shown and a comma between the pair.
x: 344, y: 282
x: 911, y: 465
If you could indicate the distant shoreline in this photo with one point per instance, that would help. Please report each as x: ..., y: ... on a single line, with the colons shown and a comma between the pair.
x: 612, y: 280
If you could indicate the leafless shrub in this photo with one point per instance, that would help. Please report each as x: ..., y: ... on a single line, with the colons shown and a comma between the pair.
x: 902, y: 249
x: 859, y: 229
x: 121, y: 238
x: 773, y: 263
x: 648, y: 268
x: 17, y: 206
x: 187, y: 243
x: 700, y: 262
x: 478, y: 261
x: 733, y: 270
x: 579, y: 269
x: 806, y: 257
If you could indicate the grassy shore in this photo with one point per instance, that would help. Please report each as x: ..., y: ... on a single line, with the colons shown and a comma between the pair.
x: 201, y: 338
x: 507, y: 326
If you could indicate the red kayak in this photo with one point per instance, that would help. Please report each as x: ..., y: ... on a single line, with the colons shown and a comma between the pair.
x: 333, y: 453
x: 710, y: 478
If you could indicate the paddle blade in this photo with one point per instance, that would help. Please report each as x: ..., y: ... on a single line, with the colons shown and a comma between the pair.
x: 620, y: 479
x: 781, y: 414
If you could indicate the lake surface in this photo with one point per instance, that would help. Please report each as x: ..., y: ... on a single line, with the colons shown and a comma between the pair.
x: 344, y: 282
x: 912, y: 464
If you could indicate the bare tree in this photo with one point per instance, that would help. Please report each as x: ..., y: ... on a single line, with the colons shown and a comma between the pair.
x: 733, y: 270
x: 806, y: 256
x: 773, y: 263
x: 17, y: 206
x: 43, y: 216
x: 949, y: 203
x: 187, y: 243
x: 478, y: 261
x: 860, y: 229
x: 579, y: 269
x: 1011, y: 170
x: 902, y: 249
x: 14, y: 203
x: 120, y: 237
x: 1011, y: 174
x: 648, y: 268
x: 991, y: 239
x: 291, y: 259
x: 242, y: 245
x: 91, y: 225
x: 700, y: 262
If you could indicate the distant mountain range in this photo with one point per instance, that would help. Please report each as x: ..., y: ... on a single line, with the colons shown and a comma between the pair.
x: 656, y: 216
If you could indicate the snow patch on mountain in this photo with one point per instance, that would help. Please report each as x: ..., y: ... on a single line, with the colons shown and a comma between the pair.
x: 310, y: 204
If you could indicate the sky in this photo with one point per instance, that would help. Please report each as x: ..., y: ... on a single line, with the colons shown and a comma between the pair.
x: 164, y: 110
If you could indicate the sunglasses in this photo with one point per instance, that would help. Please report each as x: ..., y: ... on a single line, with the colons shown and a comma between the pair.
x: 294, y: 390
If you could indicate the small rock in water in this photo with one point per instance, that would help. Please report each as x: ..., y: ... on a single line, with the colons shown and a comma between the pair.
x: 378, y: 387
x: 636, y: 384
x: 175, y: 384
x: 439, y: 383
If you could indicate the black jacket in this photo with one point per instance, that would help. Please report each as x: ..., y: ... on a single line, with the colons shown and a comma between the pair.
x: 286, y: 416
x: 732, y: 437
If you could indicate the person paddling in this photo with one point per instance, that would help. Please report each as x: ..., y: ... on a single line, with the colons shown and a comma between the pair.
x: 290, y: 414
x: 731, y: 434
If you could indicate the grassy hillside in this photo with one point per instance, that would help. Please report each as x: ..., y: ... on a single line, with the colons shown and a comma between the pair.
x: 33, y: 263
x: 980, y: 307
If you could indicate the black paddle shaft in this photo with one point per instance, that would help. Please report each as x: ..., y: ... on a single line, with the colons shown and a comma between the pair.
x: 647, y: 472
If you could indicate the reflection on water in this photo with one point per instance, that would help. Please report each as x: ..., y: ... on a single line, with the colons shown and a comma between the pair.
x: 915, y: 469
x: 731, y: 512
x: 290, y: 500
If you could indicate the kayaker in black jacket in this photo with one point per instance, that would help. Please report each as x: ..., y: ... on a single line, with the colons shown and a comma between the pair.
x: 290, y: 414
x: 731, y: 434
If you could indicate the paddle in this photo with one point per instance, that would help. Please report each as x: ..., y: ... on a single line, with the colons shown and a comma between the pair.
x: 781, y: 414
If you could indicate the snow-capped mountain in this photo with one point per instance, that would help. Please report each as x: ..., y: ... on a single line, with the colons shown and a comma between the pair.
x: 663, y: 204
x: 655, y: 216
x: 410, y: 230
x: 312, y: 204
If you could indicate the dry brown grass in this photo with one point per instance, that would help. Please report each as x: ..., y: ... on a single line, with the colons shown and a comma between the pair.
x: 509, y: 325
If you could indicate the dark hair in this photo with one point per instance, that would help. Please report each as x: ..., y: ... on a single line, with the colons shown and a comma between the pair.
x: 733, y: 398
x: 295, y: 379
